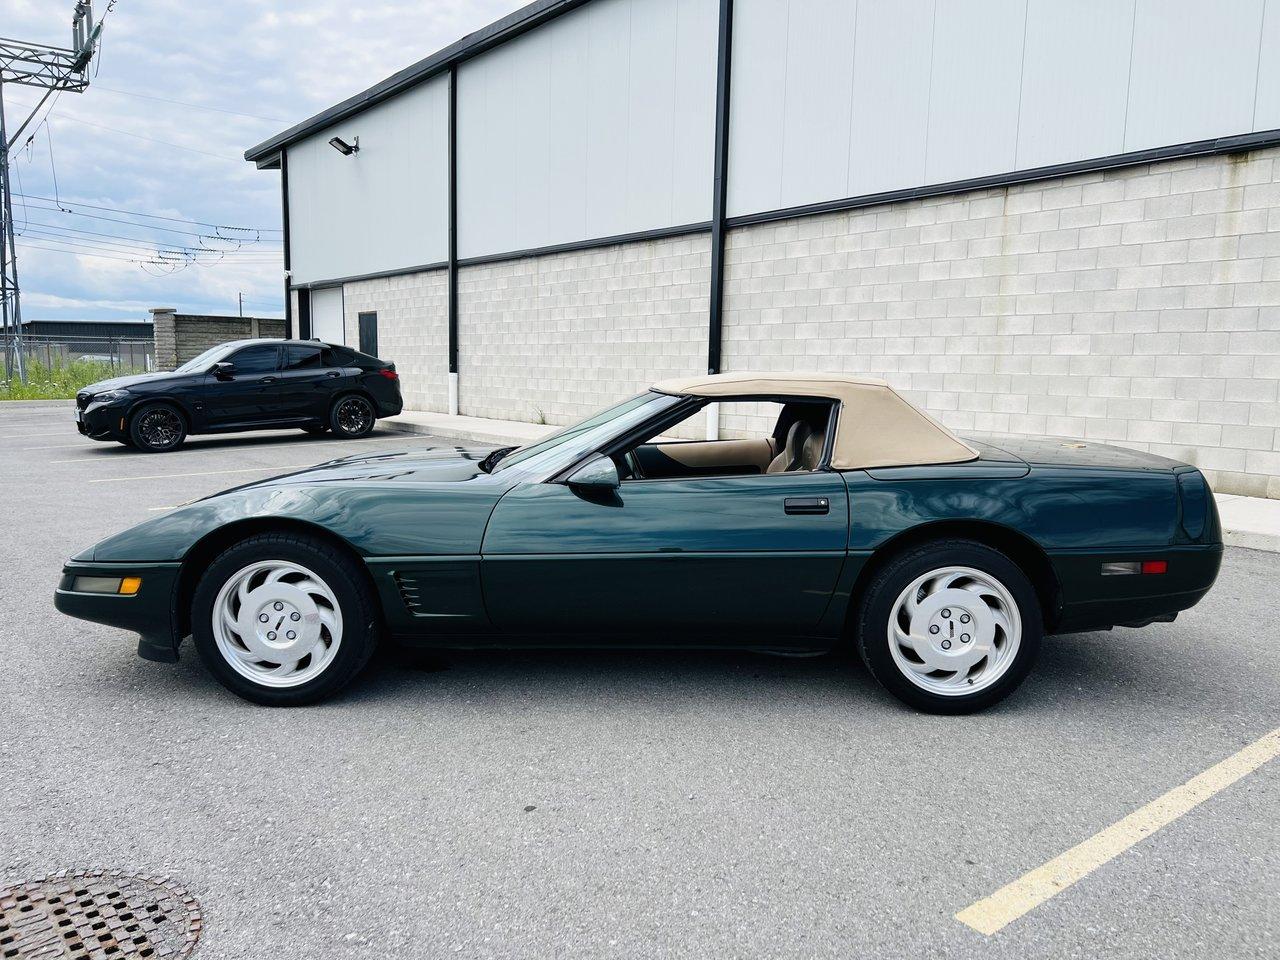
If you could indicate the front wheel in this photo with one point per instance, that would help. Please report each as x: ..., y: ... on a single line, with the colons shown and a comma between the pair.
x: 284, y: 619
x: 157, y: 428
x: 352, y: 417
x: 950, y: 627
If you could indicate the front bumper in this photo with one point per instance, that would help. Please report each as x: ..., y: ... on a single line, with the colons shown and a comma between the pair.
x: 106, y: 421
x: 151, y: 612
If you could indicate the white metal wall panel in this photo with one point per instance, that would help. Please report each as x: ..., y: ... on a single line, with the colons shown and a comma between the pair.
x: 384, y: 208
x: 890, y: 116
x: 1087, y: 41
x: 973, y: 100
x: 599, y: 123
x: 1266, y: 113
x: 327, y: 322
x: 1195, y: 71
x: 846, y: 98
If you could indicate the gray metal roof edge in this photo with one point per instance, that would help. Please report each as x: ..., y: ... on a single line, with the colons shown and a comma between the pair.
x: 506, y: 28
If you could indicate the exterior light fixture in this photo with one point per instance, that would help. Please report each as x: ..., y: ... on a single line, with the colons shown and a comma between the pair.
x: 344, y: 148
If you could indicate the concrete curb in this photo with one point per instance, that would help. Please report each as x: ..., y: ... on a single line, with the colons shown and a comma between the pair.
x: 1252, y: 540
x: 475, y: 432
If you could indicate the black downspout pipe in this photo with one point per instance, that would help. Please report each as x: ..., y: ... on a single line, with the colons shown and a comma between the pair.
x: 453, y: 240
x: 289, y: 330
x: 724, y: 67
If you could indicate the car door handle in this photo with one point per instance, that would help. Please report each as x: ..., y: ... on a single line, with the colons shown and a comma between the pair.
x: 267, y: 380
x: 333, y: 373
x: 802, y: 505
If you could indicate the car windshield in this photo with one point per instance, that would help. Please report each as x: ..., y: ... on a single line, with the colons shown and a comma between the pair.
x: 207, y: 359
x: 569, y: 443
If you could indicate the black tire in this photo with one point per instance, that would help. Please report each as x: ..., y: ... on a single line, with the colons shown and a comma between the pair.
x: 157, y: 428
x: 315, y: 429
x: 336, y: 569
x: 352, y: 416
x: 881, y: 596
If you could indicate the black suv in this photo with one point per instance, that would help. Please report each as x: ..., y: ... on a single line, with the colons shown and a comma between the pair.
x: 244, y: 385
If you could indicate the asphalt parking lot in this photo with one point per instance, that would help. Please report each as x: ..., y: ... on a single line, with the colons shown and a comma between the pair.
x: 619, y: 804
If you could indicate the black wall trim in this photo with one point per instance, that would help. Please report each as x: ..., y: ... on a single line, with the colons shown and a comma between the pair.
x: 398, y: 272
x: 453, y: 219
x: 304, y: 314
x: 289, y: 331
x: 720, y: 183
x: 521, y: 21
x: 640, y: 236
x: 1198, y: 148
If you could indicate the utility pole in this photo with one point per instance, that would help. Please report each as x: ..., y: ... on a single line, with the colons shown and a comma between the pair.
x: 55, y: 69
x: 240, y: 297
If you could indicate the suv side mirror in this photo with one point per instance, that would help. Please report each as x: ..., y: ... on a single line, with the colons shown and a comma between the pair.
x: 223, y: 368
x: 598, y: 473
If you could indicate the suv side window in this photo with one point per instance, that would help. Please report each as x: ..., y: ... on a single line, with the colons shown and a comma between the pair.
x: 300, y: 356
x: 338, y: 357
x: 255, y: 359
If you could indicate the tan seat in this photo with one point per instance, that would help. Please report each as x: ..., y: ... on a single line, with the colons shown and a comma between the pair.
x: 811, y: 451
x: 792, y: 452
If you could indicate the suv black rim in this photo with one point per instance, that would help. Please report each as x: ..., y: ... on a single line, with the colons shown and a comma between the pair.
x: 354, y: 415
x: 160, y: 428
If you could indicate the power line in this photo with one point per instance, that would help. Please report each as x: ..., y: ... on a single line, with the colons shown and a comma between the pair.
x: 138, y: 136
x: 116, y: 236
x: 152, y: 216
x: 197, y: 106
x: 130, y: 246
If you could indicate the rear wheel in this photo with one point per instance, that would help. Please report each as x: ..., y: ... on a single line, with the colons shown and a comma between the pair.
x: 157, y: 428
x: 950, y: 627
x: 352, y: 416
x: 284, y: 619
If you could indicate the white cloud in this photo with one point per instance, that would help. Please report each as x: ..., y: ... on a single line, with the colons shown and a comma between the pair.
x: 268, y: 58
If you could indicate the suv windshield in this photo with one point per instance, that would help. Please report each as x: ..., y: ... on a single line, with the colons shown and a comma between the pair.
x: 588, y: 433
x: 205, y: 360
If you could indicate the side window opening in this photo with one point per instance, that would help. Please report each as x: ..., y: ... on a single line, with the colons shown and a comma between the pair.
x: 787, y: 436
x: 302, y: 357
x: 256, y: 359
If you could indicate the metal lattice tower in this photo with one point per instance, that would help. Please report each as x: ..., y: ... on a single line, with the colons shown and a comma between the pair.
x: 55, y: 69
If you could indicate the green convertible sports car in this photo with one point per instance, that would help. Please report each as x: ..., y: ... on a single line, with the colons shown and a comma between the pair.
x: 839, y: 515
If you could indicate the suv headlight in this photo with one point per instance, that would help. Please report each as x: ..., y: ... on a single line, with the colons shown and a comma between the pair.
x: 110, y: 396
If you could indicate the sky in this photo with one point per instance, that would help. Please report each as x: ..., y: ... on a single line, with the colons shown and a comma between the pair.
x: 178, y: 92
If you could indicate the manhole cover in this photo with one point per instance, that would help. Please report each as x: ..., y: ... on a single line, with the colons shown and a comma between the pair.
x: 97, y: 915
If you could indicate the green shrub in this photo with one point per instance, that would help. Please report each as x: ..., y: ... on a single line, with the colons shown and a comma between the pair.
x: 59, y: 381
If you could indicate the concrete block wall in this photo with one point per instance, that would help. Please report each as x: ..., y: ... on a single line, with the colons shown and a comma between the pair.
x: 551, y: 339
x: 182, y: 336
x: 1138, y: 306
x: 413, y: 331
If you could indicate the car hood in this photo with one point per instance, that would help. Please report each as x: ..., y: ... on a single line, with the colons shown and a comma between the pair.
x: 422, y: 464
x: 1065, y: 452
x: 118, y: 383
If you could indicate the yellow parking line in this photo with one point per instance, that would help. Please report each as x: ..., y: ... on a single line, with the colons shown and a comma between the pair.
x: 990, y: 915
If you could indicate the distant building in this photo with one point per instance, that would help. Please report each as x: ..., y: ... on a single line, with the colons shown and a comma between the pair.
x: 1031, y: 217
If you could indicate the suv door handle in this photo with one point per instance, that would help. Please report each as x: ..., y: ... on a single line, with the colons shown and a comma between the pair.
x: 333, y: 373
x: 803, y: 505
x: 267, y: 380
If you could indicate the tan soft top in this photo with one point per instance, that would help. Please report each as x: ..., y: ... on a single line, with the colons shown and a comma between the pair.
x: 875, y: 426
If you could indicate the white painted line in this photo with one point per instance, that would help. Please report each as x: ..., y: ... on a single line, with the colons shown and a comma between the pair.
x: 992, y: 914
x: 96, y: 459
x: 163, y: 508
x: 206, y: 473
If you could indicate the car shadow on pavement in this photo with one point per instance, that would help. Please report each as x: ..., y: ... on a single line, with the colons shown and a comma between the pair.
x: 203, y: 442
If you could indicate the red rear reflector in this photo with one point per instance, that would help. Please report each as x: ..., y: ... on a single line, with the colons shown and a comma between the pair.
x: 1155, y: 566
x: 390, y: 374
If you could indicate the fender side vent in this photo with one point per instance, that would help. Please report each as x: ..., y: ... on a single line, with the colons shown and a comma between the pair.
x: 410, y: 592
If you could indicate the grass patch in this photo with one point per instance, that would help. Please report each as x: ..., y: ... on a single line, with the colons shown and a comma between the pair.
x: 59, y: 381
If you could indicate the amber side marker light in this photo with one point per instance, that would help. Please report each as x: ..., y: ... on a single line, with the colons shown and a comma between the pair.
x: 1128, y: 567
x: 123, y: 586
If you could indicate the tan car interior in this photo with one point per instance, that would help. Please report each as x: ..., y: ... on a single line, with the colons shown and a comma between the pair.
x: 797, y: 443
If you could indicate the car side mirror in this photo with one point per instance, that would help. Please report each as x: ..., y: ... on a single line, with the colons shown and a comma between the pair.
x: 597, y: 474
x: 223, y: 368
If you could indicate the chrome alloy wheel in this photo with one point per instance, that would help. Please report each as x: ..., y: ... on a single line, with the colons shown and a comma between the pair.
x: 277, y: 623
x: 160, y: 427
x: 354, y: 415
x: 954, y: 631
